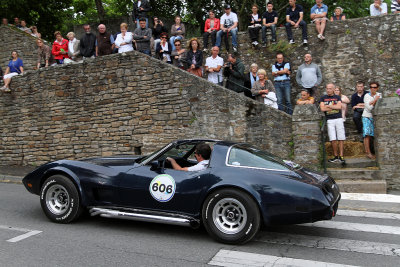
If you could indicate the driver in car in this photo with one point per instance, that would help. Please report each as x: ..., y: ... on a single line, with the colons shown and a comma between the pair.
x: 202, y: 154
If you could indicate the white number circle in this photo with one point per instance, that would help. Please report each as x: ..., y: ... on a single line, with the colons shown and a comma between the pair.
x: 162, y: 187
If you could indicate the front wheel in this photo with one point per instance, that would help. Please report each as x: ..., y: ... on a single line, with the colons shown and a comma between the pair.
x: 60, y: 200
x: 231, y: 216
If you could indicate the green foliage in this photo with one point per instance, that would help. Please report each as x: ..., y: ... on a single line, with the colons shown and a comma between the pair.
x: 282, y: 46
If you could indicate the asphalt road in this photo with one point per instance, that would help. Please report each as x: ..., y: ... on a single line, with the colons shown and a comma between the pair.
x: 28, y: 238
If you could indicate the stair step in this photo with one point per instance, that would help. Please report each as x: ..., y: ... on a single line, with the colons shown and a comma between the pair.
x: 371, y: 173
x: 354, y: 163
x: 362, y: 186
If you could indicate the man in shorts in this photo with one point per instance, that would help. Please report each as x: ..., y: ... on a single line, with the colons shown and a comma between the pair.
x: 202, y: 154
x: 318, y: 16
x: 331, y: 104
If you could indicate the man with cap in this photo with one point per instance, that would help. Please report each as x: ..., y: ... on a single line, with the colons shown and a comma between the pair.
x: 229, y: 23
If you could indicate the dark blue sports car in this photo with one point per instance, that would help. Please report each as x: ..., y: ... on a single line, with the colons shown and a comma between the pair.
x: 241, y: 188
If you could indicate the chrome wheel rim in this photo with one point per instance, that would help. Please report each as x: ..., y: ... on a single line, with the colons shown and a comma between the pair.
x: 57, y: 199
x: 229, y: 216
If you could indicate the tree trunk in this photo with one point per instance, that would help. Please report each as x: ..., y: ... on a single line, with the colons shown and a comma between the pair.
x: 100, y: 10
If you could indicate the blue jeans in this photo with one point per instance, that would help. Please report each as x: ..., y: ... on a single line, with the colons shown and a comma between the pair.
x: 147, y: 52
x: 264, y: 33
x: 172, y: 40
x: 137, y: 23
x: 283, y: 93
x: 303, y: 26
x: 234, y: 37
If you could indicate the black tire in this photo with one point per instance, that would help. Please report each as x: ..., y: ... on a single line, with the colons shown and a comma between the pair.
x: 231, y: 216
x: 60, y: 200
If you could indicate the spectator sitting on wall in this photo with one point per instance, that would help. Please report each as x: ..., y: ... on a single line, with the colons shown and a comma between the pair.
x: 332, y: 105
x: 378, y: 8
x: 264, y: 90
x: 213, y: 66
x: 338, y: 14
x: 4, y: 22
x: 15, y: 67
x: 164, y: 49
x: 228, y: 24
x: 309, y: 76
x: 318, y: 15
x: 194, y: 57
x: 251, y: 77
x: 142, y: 36
x: 395, y: 6
x: 211, y: 27
x: 43, y: 54
x: 104, y: 41
x: 344, y: 99
x: 158, y: 28
x: 60, y: 48
x: 177, y: 31
x: 24, y: 28
x: 35, y: 32
x: 87, y: 43
x: 294, y: 18
x: 17, y: 23
x: 281, y: 71
x: 270, y: 20
x: 255, y: 21
x: 234, y: 71
x: 179, y: 55
x: 305, y: 98
x: 73, y: 47
x: 124, y: 39
x: 140, y: 9
x: 357, y: 104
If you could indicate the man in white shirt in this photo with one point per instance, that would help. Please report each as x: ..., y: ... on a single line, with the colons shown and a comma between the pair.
x: 378, y: 8
x: 214, y: 66
x: 202, y: 154
x: 229, y: 23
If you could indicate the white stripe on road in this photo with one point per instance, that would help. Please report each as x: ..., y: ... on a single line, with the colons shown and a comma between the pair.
x: 359, y: 227
x: 331, y: 243
x: 238, y: 258
x: 21, y: 237
x: 371, y: 197
x: 368, y: 214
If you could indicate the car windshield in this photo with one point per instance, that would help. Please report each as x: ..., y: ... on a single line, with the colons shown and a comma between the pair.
x: 152, y: 155
x: 247, y: 156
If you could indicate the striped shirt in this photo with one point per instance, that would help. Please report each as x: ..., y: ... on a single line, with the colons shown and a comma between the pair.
x: 395, y: 6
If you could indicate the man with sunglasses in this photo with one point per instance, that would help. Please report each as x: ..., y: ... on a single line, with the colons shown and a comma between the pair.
x: 202, y: 155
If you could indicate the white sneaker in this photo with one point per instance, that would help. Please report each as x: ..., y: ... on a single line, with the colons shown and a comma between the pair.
x: 319, y: 36
x: 255, y: 43
x: 234, y: 49
x: 305, y: 41
x: 291, y: 41
x: 322, y: 37
x: 205, y: 50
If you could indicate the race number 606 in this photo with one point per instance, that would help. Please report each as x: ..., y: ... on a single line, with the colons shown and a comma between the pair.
x: 162, y: 187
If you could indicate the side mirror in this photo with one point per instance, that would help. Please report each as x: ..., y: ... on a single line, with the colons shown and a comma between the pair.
x: 155, y: 165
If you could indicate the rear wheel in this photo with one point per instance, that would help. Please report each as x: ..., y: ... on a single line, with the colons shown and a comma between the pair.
x: 231, y: 216
x: 60, y: 200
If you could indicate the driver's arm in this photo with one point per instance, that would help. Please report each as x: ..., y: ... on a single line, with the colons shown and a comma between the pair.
x: 176, y: 165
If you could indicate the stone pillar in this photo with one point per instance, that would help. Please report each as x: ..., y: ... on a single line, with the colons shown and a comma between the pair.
x: 306, y: 135
x: 387, y: 140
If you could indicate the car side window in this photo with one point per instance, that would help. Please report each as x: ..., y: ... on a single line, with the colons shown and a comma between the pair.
x: 251, y: 157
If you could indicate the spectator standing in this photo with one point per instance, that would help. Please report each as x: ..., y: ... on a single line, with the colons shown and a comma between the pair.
x: 318, y: 15
x: 264, y: 90
x: 15, y: 67
x: 305, y: 98
x: 395, y: 6
x: 24, y: 28
x: 73, y: 47
x: 179, y: 55
x: 294, y: 18
x: 124, y: 39
x: 87, y: 43
x: 213, y: 66
x: 142, y: 37
x: 338, y: 14
x: 104, y: 41
x: 344, y: 99
x: 60, y: 48
x: 255, y: 24
x: 177, y: 31
x: 35, y: 32
x: 281, y: 71
x: 370, y: 100
x: 140, y: 9
x: 251, y: 77
x: 378, y: 8
x: 332, y: 105
x: 164, y: 49
x: 234, y: 71
x: 194, y: 57
x: 357, y: 104
x: 229, y: 23
x: 43, y: 54
x: 158, y: 28
x: 211, y: 27
x: 309, y: 76
x: 270, y: 20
